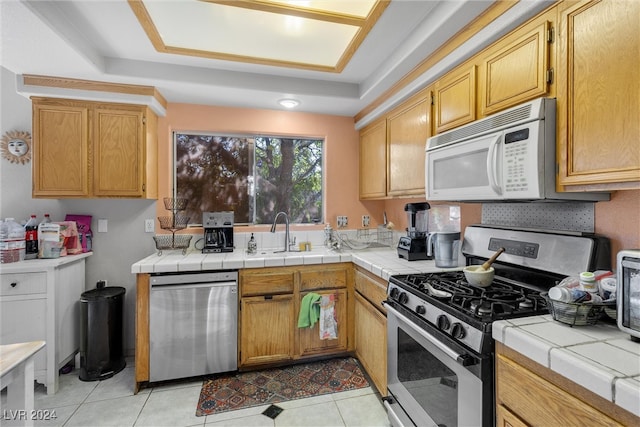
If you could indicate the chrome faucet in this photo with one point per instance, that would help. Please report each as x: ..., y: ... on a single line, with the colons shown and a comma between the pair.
x: 286, y: 232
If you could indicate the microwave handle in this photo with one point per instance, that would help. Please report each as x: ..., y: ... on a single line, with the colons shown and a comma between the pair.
x: 492, y: 164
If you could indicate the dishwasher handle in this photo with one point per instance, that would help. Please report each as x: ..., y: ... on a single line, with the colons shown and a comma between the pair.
x: 194, y: 286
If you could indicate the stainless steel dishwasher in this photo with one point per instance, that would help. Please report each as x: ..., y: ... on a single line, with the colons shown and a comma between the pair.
x: 193, y: 324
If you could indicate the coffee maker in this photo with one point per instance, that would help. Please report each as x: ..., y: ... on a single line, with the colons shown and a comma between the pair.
x: 218, y: 232
x: 413, y: 246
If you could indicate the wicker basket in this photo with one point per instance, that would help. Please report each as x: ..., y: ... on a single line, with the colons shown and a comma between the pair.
x: 578, y: 314
x: 174, y: 222
x: 172, y: 241
x: 177, y: 204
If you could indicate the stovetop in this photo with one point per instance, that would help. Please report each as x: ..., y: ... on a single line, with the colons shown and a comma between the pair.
x: 533, y: 261
x: 503, y: 299
x: 459, y: 310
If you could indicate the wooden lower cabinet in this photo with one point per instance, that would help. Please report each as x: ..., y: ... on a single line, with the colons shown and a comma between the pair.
x: 528, y: 394
x: 370, y: 323
x: 270, y: 305
x: 504, y: 418
x: 267, y: 333
x: 309, y: 342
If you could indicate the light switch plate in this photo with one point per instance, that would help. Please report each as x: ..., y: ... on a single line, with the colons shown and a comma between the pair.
x: 102, y: 225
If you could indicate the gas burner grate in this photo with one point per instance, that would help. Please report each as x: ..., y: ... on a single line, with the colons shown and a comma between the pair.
x: 501, y: 300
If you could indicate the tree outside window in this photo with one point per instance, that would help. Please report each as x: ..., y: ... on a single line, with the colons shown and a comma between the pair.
x: 254, y: 176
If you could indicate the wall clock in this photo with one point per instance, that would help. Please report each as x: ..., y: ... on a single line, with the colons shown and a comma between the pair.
x: 16, y: 146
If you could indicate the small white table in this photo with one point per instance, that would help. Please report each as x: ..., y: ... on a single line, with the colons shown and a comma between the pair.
x: 17, y: 373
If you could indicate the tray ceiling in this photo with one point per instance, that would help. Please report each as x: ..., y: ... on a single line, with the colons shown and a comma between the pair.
x: 333, y: 56
x: 315, y: 35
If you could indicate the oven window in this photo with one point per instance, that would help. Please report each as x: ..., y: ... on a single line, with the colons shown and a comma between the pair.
x: 431, y: 383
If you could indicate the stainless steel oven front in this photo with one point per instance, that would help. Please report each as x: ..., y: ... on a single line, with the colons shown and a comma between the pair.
x: 433, y: 381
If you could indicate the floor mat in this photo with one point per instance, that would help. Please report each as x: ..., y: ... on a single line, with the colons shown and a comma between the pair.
x: 229, y: 392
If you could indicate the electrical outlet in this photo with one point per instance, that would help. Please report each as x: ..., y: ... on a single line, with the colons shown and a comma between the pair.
x: 342, y: 221
x: 149, y: 225
x: 365, y: 220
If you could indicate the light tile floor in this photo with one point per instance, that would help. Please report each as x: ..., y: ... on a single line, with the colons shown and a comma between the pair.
x: 112, y: 403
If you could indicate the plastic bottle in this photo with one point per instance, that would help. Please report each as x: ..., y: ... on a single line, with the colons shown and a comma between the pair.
x: 12, y: 247
x: 252, y: 246
x: 568, y: 295
x: 46, y: 219
x: 89, y: 237
x: 31, y: 238
x: 588, y: 282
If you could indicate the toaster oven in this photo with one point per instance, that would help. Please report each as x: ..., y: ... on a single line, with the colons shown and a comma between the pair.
x: 628, y: 292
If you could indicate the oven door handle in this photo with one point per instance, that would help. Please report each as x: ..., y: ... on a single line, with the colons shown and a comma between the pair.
x: 463, y: 359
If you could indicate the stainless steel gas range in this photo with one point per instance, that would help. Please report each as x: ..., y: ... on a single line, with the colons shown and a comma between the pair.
x: 440, y: 350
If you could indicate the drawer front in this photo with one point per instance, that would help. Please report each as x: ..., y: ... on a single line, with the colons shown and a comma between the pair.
x: 374, y: 291
x: 267, y: 284
x: 23, y: 284
x: 323, y: 279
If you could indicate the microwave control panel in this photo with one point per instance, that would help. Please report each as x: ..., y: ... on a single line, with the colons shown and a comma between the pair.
x: 515, y: 155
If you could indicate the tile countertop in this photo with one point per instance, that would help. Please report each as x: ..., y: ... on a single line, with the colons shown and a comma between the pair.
x: 382, y: 262
x: 600, y: 358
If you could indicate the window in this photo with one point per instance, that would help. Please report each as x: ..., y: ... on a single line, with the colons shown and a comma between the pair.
x: 254, y: 176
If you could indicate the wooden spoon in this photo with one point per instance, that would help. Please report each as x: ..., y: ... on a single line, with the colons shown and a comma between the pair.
x: 487, y: 264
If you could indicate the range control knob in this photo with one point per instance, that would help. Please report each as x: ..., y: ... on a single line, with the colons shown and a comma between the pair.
x: 394, y: 293
x: 421, y: 309
x: 403, y: 298
x: 457, y: 331
x: 443, y: 322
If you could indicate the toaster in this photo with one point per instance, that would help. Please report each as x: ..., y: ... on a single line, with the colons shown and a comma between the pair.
x: 628, y: 292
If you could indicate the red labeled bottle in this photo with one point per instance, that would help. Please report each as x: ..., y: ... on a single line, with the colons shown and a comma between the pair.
x: 31, y: 238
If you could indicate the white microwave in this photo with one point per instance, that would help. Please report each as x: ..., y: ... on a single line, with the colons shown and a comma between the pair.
x: 508, y: 156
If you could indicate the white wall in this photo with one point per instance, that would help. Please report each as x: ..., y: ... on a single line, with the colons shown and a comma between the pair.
x: 125, y: 241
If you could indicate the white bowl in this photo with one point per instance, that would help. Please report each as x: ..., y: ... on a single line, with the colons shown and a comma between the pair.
x: 476, y: 276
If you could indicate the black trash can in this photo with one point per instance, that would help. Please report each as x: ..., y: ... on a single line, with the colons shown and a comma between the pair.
x: 101, y: 333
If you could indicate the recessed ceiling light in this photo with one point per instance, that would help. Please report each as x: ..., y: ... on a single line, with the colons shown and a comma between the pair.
x: 289, y: 103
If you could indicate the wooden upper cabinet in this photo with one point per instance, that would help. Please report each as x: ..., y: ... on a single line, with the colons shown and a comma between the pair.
x: 515, y: 69
x: 373, y: 160
x: 408, y: 128
x: 89, y: 149
x: 118, y: 154
x: 455, y: 99
x: 61, y: 150
x: 599, y: 96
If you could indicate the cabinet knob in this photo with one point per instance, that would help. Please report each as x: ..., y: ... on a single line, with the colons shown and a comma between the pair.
x: 14, y: 284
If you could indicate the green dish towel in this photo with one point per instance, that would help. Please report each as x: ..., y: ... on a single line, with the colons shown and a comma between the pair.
x: 309, y: 311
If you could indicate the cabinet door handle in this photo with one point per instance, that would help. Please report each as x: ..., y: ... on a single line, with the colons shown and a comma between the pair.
x: 14, y: 284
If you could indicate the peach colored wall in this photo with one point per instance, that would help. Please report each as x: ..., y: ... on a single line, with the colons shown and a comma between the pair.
x: 341, y: 149
x: 619, y: 220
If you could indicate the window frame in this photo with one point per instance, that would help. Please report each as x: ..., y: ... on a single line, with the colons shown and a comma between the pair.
x: 252, y: 165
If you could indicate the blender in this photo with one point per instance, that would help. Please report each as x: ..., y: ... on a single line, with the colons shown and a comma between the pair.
x: 413, y: 246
